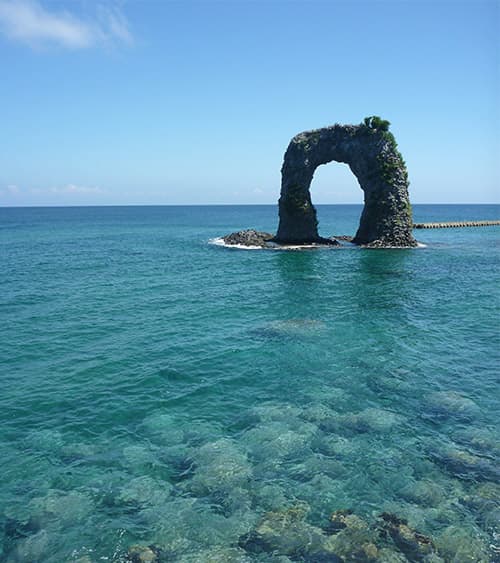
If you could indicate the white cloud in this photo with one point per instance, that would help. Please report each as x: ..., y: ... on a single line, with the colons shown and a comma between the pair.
x: 29, y: 22
x: 69, y: 189
x: 10, y: 192
x: 73, y: 189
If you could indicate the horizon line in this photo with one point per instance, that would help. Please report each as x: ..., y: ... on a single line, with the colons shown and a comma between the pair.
x: 42, y: 206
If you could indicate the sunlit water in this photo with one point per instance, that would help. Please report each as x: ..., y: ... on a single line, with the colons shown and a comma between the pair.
x: 159, y: 390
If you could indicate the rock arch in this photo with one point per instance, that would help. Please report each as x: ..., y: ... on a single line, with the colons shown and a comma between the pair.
x: 371, y: 153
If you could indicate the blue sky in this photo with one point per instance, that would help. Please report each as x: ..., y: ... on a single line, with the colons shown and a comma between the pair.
x: 164, y: 102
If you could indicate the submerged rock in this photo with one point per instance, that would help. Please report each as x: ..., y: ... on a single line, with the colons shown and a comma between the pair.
x: 457, y: 544
x: 284, y: 532
x: 424, y: 492
x: 70, y: 507
x: 222, y: 473
x: 144, y: 491
x: 450, y: 404
x: 143, y: 554
x: 481, y: 440
x: 271, y: 496
x: 484, y: 501
x: 348, y: 537
x: 163, y: 429
x: 368, y: 420
x: 317, y: 464
x: 464, y: 465
x: 345, y: 518
x: 387, y: 555
x: 33, y: 548
x: 217, y: 555
x: 415, y: 546
x: 268, y: 412
x: 139, y: 457
x: 373, y: 420
x: 270, y: 442
x: 489, y: 492
x: 352, y: 538
x: 336, y: 446
x: 389, y: 539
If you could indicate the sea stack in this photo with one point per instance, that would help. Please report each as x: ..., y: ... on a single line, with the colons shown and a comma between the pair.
x: 371, y: 152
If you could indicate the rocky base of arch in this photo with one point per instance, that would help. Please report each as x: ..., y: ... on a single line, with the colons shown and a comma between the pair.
x: 251, y: 238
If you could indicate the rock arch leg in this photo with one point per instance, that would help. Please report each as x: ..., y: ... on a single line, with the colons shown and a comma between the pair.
x: 298, y: 222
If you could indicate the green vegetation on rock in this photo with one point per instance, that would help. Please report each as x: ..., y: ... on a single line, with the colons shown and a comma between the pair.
x: 376, y: 122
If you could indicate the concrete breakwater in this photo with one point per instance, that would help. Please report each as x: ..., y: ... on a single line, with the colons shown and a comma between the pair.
x: 456, y: 224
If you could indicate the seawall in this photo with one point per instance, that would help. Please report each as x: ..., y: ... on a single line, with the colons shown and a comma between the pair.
x: 456, y: 224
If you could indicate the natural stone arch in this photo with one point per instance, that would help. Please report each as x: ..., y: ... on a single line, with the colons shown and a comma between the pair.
x: 371, y: 153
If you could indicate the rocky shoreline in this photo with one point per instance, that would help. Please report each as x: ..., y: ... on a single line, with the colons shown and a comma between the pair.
x: 253, y: 238
x: 250, y: 238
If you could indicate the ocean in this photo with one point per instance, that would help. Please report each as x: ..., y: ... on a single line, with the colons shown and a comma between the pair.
x: 163, y: 397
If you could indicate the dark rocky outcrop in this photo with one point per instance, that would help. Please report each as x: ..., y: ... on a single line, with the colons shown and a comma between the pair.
x: 371, y: 153
x: 249, y: 237
x: 252, y: 238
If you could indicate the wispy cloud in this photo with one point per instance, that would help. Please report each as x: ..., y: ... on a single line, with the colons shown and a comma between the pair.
x: 69, y: 189
x: 9, y: 192
x: 27, y: 21
x: 73, y: 189
x: 116, y: 24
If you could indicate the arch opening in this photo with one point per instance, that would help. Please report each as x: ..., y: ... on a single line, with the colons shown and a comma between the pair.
x: 334, y: 184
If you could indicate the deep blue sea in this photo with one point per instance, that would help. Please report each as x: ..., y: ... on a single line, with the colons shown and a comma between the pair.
x: 220, y: 405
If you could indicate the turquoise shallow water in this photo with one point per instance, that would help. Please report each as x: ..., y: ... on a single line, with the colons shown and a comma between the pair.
x: 220, y: 404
